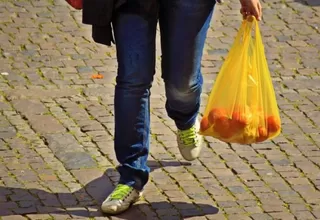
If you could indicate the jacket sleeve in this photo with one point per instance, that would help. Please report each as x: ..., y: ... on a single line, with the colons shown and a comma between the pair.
x: 97, y: 12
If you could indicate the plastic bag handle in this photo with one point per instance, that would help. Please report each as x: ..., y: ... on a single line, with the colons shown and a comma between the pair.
x: 244, y: 35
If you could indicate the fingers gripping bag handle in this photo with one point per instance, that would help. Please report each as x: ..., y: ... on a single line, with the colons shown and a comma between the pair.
x: 242, y: 98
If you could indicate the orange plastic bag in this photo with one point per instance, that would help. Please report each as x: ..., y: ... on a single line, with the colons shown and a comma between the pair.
x: 242, y: 106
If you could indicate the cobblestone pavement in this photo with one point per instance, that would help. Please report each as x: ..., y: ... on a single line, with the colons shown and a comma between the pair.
x: 56, y: 123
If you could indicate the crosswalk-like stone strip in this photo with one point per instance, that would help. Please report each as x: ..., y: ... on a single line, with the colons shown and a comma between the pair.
x: 70, y: 123
x: 47, y: 156
x: 44, y: 154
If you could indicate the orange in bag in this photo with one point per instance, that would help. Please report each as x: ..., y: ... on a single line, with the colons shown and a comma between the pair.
x: 241, y: 117
x: 273, y: 124
x: 242, y: 106
x: 262, y: 134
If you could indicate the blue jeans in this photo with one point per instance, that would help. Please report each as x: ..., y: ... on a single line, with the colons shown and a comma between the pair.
x: 183, y: 28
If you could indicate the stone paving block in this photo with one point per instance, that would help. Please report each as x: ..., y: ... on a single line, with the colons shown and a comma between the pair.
x: 7, y: 132
x: 261, y: 216
x: 216, y: 217
x: 39, y: 217
x: 76, y: 160
x: 29, y: 107
x: 304, y: 215
x: 39, y: 93
x: 4, y: 106
x: 13, y: 217
x: 282, y: 215
x: 45, y: 124
x: 238, y: 216
x: 316, y: 214
x: 69, y: 151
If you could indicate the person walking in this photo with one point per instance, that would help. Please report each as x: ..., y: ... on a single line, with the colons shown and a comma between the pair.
x: 183, y: 29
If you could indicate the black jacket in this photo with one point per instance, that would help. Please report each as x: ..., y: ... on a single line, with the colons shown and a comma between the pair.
x: 99, y: 14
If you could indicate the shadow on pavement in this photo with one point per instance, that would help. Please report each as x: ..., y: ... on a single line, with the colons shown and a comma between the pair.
x: 311, y: 3
x: 20, y: 201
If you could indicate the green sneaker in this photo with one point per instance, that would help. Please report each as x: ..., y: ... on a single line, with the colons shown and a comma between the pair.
x: 190, y: 142
x: 120, y: 199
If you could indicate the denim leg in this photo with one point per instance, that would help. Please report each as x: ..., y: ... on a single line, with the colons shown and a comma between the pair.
x: 135, y: 43
x: 183, y: 26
